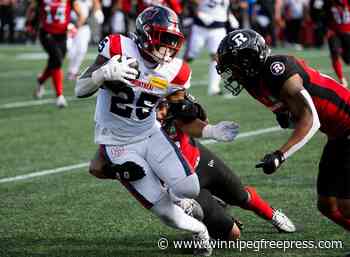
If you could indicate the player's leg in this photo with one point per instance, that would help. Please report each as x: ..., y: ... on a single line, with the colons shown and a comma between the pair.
x: 148, y: 190
x: 222, y: 182
x: 56, y: 62
x: 335, y: 49
x: 219, y: 223
x: 80, y: 47
x: 170, y: 166
x: 214, y: 38
x: 333, y: 182
x: 46, y: 42
x: 195, y: 43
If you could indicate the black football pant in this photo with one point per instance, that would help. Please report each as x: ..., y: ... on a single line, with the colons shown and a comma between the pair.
x: 217, y: 179
x: 56, y: 47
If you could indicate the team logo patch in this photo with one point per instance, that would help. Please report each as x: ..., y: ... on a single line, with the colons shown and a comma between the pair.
x: 277, y: 68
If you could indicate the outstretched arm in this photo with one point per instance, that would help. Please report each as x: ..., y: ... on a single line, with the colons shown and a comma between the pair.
x: 299, y: 102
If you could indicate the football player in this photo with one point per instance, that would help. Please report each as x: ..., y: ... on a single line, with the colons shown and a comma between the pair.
x: 303, y: 99
x: 78, y: 43
x: 336, y: 15
x: 132, y: 75
x: 208, y: 29
x: 215, y: 177
x: 54, y: 17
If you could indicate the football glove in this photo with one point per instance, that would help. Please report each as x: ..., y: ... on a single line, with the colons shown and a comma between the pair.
x: 271, y: 162
x: 223, y: 131
x: 117, y: 68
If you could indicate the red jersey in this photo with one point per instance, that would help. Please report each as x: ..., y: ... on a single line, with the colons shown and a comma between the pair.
x: 331, y: 99
x: 55, y: 15
x: 184, y: 142
x: 338, y: 15
x: 172, y: 4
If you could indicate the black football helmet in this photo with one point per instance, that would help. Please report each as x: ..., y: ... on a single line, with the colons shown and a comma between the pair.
x: 241, y: 56
x: 158, y: 34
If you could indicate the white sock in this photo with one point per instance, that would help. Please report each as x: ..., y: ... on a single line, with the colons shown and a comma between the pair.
x: 214, y: 79
x: 173, y: 216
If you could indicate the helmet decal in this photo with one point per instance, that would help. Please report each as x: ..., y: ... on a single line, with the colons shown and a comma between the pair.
x: 277, y: 68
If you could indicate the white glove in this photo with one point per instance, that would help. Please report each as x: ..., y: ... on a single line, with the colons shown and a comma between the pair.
x: 99, y: 17
x: 117, y: 68
x: 223, y: 131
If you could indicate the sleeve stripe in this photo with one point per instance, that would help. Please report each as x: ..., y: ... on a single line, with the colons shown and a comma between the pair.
x: 115, y: 45
x: 183, y: 75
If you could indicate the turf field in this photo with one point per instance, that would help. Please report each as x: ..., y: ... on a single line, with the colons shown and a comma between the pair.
x: 66, y: 212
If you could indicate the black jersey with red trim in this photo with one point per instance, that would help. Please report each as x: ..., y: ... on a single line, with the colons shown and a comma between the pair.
x: 331, y: 99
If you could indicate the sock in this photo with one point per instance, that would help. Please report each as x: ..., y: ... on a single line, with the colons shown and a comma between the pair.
x: 338, y: 67
x: 57, y: 78
x: 214, y: 79
x: 338, y: 218
x: 173, y: 216
x: 258, y: 205
x: 44, y: 75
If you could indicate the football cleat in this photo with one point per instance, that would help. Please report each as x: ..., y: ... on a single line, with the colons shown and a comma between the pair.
x: 39, y: 91
x: 282, y: 222
x: 202, y: 247
x: 192, y: 208
x: 61, y: 102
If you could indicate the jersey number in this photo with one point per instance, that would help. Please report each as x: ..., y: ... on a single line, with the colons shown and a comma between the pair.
x: 341, y: 17
x: 125, y: 96
x: 59, y: 15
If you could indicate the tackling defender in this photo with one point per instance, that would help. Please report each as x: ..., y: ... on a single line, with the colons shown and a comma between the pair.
x: 126, y: 126
x: 303, y: 99
x: 215, y: 177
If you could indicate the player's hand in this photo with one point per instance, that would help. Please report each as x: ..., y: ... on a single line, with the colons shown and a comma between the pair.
x: 99, y: 17
x: 271, y: 162
x: 223, y: 131
x: 117, y: 68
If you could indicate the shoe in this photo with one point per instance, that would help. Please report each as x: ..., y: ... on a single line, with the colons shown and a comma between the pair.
x: 39, y: 91
x: 192, y: 208
x: 61, y: 102
x: 344, y: 82
x: 282, y: 222
x: 202, y: 247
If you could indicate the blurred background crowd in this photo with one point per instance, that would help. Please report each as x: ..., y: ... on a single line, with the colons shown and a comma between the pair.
x: 296, y: 23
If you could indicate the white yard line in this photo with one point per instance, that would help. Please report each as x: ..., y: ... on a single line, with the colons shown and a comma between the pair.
x: 52, y: 100
x: 85, y: 164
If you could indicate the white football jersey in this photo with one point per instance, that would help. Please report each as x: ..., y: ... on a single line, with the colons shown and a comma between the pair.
x: 85, y: 7
x: 127, y: 114
x: 217, y: 10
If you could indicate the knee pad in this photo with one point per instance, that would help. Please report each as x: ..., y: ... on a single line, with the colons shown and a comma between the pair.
x: 186, y: 188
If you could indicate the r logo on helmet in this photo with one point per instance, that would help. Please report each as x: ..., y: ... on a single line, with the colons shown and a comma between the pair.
x: 277, y: 68
x: 239, y: 39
